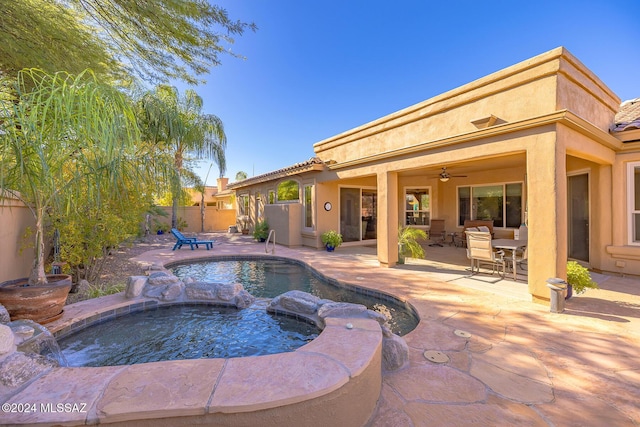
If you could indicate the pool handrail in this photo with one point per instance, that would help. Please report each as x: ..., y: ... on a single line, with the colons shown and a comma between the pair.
x: 266, y: 245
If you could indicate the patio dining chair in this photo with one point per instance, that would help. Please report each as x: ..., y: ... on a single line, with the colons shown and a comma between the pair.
x: 521, y: 259
x: 437, y: 232
x: 480, y: 251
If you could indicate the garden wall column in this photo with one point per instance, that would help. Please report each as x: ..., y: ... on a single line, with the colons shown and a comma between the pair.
x: 387, y: 218
x: 547, y: 214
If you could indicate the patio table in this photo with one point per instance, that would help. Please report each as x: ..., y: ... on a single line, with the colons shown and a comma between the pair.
x: 513, y: 245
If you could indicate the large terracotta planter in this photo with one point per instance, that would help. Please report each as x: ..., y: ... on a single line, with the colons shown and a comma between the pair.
x: 40, y: 303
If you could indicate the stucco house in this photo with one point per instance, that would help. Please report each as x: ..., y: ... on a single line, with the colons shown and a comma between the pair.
x: 218, y: 209
x: 543, y: 142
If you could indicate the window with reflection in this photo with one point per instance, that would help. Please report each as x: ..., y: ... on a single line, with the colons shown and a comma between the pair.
x: 308, y: 206
x: 501, y: 203
x: 633, y: 188
x: 417, y: 206
x: 288, y: 191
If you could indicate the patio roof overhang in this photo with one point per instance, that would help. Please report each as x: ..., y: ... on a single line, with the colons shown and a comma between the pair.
x: 563, y: 117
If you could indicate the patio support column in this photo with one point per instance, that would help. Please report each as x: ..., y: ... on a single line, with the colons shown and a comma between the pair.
x: 547, y: 215
x: 387, y: 218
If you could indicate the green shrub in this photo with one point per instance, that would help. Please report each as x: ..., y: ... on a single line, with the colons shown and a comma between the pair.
x: 579, y: 277
x: 331, y: 238
x: 95, y: 291
x: 181, y: 224
x: 261, y: 230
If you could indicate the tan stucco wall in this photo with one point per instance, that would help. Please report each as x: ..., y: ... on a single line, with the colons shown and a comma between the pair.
x: 621, y: 255
x: 286, y: 220
x: 214, y: 220
x: 16, y: 257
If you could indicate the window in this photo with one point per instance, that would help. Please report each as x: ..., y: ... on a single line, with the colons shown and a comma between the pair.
x: 633, y: 195
x: 243, y: 204
x: 501, y: 203
x: 259, y: 206
x: 308, y: 206
x: 417, y: 206
x: 288, y: 191
x: 272, y: 197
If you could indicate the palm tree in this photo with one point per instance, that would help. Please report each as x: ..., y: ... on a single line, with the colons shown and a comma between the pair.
x: 177, y: 126
x: 57, y: 131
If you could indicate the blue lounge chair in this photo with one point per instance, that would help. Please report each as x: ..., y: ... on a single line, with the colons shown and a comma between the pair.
x: 191, y: 241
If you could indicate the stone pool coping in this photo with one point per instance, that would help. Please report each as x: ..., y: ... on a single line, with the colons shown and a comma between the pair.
x: 191, y: 258
x: 341, y: 366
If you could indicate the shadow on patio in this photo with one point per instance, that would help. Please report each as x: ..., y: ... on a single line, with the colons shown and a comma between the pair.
x: 450, y: 264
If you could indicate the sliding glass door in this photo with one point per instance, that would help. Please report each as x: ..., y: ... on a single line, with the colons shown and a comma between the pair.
x: 578, y: 212
x: 358, y: 214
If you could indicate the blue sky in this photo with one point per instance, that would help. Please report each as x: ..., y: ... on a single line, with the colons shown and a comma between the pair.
x: 315, y: 69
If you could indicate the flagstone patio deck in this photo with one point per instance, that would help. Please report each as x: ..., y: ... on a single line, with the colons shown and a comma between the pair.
x: 522, y: 365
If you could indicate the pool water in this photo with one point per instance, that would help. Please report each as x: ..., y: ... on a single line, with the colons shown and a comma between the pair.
x: 268, y: 278
x: 185, y: 332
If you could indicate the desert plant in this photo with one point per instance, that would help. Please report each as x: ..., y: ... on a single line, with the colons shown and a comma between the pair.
x: 161, y: 227
x: 244, y: 221
x: 331, y: 239
x: 261, y: 230
x: 579, y: 277
x: 62, y: 135
x: 408, y: 241
x: 96, y: 291
x: 181, y: 224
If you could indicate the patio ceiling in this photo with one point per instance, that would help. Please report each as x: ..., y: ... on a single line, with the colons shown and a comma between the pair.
x: 470, y: 167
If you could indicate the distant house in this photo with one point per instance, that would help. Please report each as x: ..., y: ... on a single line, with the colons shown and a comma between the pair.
x: 544, y: 142
x: 219, y: 212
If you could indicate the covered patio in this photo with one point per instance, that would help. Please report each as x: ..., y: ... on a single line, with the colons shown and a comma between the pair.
x: 450, y: 264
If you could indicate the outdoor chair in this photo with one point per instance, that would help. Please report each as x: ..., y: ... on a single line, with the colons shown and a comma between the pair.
x: 521, y: 259
x: 191, y: 241
x: 460, y: 238
x: 437, y: 232
x: 480, y: 251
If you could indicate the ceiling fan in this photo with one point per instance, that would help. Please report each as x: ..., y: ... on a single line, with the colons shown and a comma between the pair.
x: 444, y: 175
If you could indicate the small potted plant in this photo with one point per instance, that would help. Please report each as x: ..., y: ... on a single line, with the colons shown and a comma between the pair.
x: 161, y: 227
x: 579, y: 279
x: 331, y: 239
x: 408, y: 243
x: 261, y: 231
x: 244, y: 221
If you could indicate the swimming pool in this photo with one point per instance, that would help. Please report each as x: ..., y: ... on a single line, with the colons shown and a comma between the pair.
x: 270, y: 277
x: 178, y: 332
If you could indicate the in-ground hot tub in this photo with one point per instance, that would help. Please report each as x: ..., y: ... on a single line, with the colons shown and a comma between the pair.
x: 186, y: 331
x: 337, y: 376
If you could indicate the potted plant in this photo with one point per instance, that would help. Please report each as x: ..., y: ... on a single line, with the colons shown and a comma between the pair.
x: 59, y: 134
x: 244, y: 220
x: 331, y: 239
x: 579, y: 279
x: 408, y: 243
x: 161, y: 227
x: 261, y: 231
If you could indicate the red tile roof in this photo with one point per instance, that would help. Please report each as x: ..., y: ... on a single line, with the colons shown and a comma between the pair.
x: 628, y: 117
x: 313, y: 163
